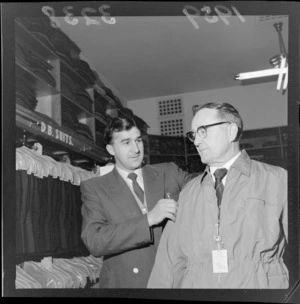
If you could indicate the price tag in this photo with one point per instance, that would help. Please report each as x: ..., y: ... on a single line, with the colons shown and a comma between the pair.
x: 47, y: 262
x: 219, y: 259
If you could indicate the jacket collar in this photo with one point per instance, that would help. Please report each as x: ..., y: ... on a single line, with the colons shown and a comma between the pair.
x: 153, y: 185
x: 120, y: 193
x: 242, y: 164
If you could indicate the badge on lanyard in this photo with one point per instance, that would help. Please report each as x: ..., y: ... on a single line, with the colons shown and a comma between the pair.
x: 219, y: 259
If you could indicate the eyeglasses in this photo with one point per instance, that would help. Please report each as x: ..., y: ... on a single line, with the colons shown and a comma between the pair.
x: 202, y: 131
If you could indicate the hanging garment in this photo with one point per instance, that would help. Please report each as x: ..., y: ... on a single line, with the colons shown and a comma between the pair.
x: 22, y: 276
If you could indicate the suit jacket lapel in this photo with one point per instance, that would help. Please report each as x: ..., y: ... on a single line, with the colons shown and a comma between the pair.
x: 153, y: 184
x: 122, y: 195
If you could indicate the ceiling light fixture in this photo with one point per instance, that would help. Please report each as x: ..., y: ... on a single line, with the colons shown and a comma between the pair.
x: 279, y: 63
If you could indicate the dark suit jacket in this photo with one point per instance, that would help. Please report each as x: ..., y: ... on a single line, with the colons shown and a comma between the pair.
x: 115, y: 228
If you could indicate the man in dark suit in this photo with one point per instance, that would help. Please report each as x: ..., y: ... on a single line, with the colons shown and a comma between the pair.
x: 123, y: 216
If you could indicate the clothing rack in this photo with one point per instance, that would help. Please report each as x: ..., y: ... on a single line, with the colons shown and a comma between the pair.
x: 48, y: 213
x: 44, y: 165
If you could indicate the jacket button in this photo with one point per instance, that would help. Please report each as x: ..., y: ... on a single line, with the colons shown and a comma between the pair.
x: 135, y: 270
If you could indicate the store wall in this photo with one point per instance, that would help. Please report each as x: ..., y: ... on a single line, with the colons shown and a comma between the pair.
x: 260, y: 105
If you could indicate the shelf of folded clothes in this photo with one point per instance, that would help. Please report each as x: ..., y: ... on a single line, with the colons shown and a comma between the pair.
x: 264, y: 138
x: 25, y: 93
x: 277, y: 156
x: 73, y: 117
x: 70, y: 70
x: 166, y: 145
x: 78, y: 102
x: 42, y: 80
x: 37, y: 39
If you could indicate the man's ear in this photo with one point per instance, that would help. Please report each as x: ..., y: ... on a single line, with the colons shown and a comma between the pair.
x: 233, y: 131
x: 110, y: 150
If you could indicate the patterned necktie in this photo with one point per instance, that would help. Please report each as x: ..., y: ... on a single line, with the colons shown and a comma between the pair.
x: 136, y: 187
x: 219, y: 174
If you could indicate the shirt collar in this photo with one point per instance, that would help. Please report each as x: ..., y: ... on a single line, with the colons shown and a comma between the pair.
x: 226, y: 165
x: 242, y: 164
x: 124, y: 173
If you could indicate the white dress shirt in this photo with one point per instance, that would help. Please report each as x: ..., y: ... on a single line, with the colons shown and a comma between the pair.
x: 128, y: 181
x: 139, y: 179
x: 227, y: 166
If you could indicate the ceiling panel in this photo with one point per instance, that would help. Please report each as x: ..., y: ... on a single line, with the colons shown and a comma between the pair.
x: 144, y: 57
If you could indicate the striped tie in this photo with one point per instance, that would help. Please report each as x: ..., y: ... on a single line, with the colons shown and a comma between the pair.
x: 219, y: 174
x: 136, y: 187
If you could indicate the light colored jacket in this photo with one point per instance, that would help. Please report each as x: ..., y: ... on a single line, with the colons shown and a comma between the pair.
x: 253, y: 226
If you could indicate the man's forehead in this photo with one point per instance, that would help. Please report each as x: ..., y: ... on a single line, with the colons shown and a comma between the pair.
x: 204, y: 116
x: 131, y: 134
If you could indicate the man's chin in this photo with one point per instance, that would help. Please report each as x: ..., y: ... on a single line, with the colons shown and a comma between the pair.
x: 203, y: 159
x: 136, y: 163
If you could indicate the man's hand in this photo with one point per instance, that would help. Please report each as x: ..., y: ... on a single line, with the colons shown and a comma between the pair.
x: 165, y: 208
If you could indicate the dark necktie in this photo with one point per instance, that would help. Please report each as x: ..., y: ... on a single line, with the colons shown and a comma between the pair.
x: 219, y: 174
x: 136, y: 187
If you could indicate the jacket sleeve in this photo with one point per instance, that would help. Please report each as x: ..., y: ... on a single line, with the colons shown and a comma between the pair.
x: 285, y: 204
x: 104, y: 238
x: 182, y: 176
x: 162, y: 272
x: 170, y: 263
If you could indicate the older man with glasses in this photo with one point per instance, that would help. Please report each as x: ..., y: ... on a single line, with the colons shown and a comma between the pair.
x: 231, y: 225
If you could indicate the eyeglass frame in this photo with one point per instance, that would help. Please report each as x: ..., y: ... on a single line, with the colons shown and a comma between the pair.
x: 204, y: 128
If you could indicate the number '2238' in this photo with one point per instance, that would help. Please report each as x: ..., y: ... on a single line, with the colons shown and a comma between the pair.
x: 69, y: 16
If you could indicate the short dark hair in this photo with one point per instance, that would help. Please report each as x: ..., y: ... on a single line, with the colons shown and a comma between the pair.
x: 118, y: 124
x: 227, y: 112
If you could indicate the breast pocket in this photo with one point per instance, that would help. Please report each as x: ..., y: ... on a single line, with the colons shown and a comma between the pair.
x: 261, y: 220
x: 253, y: 208
x: 253, y: 205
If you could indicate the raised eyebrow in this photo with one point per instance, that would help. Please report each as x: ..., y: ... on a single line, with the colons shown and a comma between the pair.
x: 125, y: 139
x: 129, y: 139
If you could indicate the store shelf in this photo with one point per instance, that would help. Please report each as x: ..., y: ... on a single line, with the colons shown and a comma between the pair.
x: 268, y: 145
x: 43, y: 87
x: 47, y: 129
x: 65, y: 67
x: 23, y: 35
x: 77, y: 105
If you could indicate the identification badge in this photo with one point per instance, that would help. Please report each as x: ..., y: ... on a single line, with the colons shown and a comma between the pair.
x: 219, y: 259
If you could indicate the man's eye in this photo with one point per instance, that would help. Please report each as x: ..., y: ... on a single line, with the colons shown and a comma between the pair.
x: 139, y: 140
x: 126, y: 142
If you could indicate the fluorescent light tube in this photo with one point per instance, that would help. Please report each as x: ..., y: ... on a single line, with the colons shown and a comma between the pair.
x: 285, y: 81
x: 262, y: 73
x: 281, y: 72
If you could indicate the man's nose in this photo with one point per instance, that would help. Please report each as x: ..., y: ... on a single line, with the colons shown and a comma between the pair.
x: 198, y: 139
x: 136, y: 147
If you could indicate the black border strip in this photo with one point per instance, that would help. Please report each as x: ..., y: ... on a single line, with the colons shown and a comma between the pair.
x: 142, y: 8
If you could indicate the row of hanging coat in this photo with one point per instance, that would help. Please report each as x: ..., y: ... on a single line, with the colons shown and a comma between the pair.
x: 48, y: 205
x: 48, y: 223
